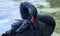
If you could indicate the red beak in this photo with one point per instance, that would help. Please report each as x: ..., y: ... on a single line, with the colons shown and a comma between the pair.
x: 33, y: 19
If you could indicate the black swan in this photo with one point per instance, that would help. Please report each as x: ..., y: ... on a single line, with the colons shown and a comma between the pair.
x: 33, y: 24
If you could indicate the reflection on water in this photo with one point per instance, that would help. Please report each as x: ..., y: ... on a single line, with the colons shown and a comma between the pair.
x: 9, y: 11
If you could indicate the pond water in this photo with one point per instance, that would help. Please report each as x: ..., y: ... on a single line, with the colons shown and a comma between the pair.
x: 9, y: 11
